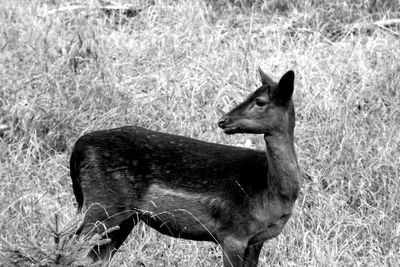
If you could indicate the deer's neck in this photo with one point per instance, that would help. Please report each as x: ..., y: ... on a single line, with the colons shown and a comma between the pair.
x: 283, y: 169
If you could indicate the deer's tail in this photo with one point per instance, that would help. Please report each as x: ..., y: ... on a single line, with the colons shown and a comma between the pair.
x: 74, y: 172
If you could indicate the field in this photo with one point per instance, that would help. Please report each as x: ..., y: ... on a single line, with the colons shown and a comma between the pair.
x: 68, y: 68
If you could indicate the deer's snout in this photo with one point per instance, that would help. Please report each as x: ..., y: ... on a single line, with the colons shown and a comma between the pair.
x: 222, y: 122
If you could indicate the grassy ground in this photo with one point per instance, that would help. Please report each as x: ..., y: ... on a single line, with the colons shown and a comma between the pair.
x: 175, y: 67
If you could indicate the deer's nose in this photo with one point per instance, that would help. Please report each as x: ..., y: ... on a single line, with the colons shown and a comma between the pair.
x: 221, y: 122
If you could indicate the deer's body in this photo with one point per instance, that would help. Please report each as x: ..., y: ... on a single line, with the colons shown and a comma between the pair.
x: 186, y: 188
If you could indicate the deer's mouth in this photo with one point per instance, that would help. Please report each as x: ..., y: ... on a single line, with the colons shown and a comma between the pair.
x: 231, y: 129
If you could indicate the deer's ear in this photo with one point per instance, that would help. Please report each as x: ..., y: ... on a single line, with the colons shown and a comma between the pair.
x: 283, y: 92
x: 265, y: 80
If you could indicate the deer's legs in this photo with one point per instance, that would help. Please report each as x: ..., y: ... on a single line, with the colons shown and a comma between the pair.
x: 252, y: 254
x: 238, y: 253
x: 97, y: 220
x: 107, y: 251
x: 233, y: 252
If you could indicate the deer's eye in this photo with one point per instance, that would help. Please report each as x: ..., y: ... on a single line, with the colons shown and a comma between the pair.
x: 260, y: 102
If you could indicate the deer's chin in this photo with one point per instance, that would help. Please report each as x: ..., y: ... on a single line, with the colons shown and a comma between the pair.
x: 236, y: 130
x: 231, y: 130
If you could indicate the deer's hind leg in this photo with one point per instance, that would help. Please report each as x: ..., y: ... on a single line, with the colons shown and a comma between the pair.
x: 107, y: 251
x: 98, y: 220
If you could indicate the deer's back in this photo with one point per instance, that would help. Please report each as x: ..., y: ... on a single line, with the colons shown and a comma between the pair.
x: 176, y: 161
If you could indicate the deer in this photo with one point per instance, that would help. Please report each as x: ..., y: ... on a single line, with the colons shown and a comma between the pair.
x: 186, y: 188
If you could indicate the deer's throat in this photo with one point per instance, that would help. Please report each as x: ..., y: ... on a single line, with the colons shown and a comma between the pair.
x: 283, y: 169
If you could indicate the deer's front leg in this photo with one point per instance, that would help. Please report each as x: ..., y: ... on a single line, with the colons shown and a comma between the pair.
x: 233, y: 251
x: 251, y: 254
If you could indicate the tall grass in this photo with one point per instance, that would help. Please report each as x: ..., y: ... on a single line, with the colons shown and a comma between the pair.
x: 175, y: 67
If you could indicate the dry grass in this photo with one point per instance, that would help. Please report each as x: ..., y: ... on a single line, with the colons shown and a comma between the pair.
x: 174, y: 68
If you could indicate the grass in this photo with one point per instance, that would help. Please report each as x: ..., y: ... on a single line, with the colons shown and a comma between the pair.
x: 175, y: 67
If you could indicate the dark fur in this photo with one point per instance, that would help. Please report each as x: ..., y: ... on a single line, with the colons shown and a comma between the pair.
x: 192, y: 189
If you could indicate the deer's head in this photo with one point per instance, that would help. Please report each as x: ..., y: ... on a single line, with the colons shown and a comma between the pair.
x: 266, y: 111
